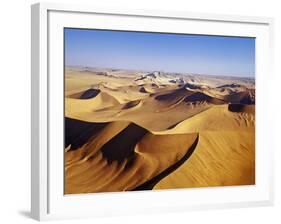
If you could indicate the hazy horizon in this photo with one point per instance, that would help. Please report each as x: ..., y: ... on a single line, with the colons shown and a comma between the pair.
x: 175, y: 53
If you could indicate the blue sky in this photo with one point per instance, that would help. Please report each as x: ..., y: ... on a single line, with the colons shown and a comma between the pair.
x: 202, y: 54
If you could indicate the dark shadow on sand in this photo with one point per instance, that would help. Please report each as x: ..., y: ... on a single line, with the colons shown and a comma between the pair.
x: 90, y: 93
x: 199, y: 97
x: 77, y: 132
x: 122, y: 146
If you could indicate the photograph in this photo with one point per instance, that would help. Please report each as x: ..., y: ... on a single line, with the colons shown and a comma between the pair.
x: 157, y: 111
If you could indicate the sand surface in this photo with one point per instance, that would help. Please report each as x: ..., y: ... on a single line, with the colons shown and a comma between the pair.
x: 137, y: 130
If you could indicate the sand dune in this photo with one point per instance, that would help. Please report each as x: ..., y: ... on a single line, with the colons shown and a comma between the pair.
x: 80, y: 132
x: 123, y: 158
x: 86, y: 94
x: 101, y: 100
x: 218, y: 160
x: 135, y: 130
x: 216, y: 118
x: 201, y: 97
x: 173, y: 95
x: 143, y: 90
x: 238, y: 107
x: 245, y: 97
x: 171, y: 107
x: 132, y: 104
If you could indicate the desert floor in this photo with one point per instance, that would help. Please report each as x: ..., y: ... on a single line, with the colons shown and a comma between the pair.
x: 136, y: 130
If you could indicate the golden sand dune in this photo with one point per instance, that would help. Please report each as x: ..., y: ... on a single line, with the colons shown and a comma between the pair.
x: 79, y: 80
x: 225, y: 152
x: 126, y: 94
x: 121, y: 156
x: 131, y: 130
x: 216, y: 118
x: 170, y: 107
x: 88, y: 102
x: 221, y: 158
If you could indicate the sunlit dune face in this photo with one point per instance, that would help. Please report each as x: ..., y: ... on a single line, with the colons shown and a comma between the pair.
x: 135, y: 130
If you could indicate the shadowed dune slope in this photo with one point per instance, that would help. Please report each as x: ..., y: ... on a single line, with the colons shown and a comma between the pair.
x: 224, y: 155
x: 131, y: 104
x: 156, y: 113
x: 216, y: 118
x: 122, y: 146
x: 143, y: 90
x: 173, y: 95
x: 78, y: 132
x: 238, y: 107
x: 73, y: 107
x: 246, y: 97
x: 90, y: 93
x: 102, y: 165
x: 201, y: 97
x: 138, y: 130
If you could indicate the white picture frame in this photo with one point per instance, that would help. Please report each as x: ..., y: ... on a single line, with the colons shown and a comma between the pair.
x: 47, y: 198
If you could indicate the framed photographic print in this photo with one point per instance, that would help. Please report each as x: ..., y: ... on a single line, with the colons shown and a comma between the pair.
x: 148, y: 111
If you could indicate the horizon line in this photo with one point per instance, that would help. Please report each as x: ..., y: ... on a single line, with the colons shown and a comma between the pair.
x: 157, y: 70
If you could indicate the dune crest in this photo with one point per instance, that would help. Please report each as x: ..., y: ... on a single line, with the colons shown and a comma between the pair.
x: 111, y: 166
x: 216, y: 161
x: 138, y: 130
